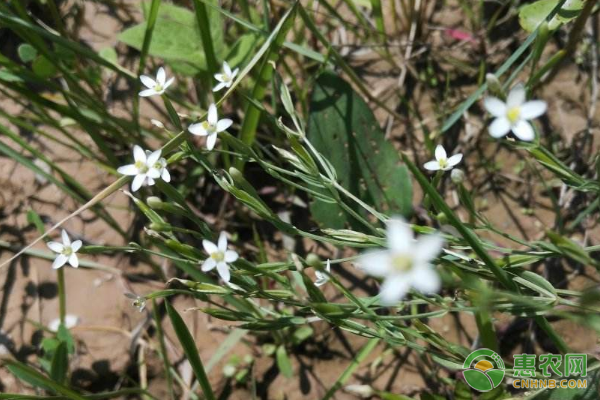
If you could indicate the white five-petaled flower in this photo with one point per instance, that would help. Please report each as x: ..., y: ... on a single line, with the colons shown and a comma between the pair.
x: 211, y: 127
x: 442, y: 162
x: 147, y: 167
x: 66, y: 251
x: 155, y: 87
x: 323, y: 278
x: 219, y: 256
x: 161, y: 166
x: 405, y: 264
x: 226, y: 77
x: 514, y: 114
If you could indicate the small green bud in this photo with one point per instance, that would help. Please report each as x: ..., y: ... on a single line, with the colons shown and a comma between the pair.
x: 442, y: 219
x: 313, y: 260
x: 494, y: 85
x: 154, y: 202
x: 457, y: 175
x: 159, y: 227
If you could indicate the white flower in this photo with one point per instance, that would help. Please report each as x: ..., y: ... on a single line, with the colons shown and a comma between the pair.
x: 442, y: 161
x: 219, y: 257
x: 161, y: 166
x: 70, y: 321
x: 66, y: 251
x: 146, y: 169
x: 514, y: 114
x: 139, y: 302
x: 157, y: 123
x: 226, y: 78
x: 323, y: 278
x: 211, y: 127
x: 405, y: 264
x: 155, y: 87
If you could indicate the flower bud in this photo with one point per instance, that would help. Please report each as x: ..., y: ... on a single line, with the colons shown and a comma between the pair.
x: 457, y: 175
x: 494, y: 85
x: 362, y: 391
x: 154, y: 202
x: 313, y: 260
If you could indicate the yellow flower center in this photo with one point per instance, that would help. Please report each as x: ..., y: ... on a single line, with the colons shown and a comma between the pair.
x: 402, y: 263
x: 142, y: 167
x: 209, y: 128
x: 158, y: 88
x: 443, y: 162
x: 67, y: 251
x: 226, y: 78
x: 218, y: 256
x: 513, y: 114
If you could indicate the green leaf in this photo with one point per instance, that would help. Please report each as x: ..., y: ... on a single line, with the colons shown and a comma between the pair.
x: 64, y: 335
x: 36, y: 379
x: 531, y: 15
x: 109, y: 54
x: 242, y: 49
x: 60, y: 363
x: 43, y: 68
x: 283, y: 362
x: 344, y: 130
x: 190, y: 350
x: 176, y: 37
x: 27, y: 52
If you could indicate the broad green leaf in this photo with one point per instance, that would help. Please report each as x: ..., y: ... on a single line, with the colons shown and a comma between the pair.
x: 531, y: 15
x: 43, y: 68
x: 283, y: 362
x: 176, y: 37
x: 60, y: 363
x: 109, y: 54
x: 344, y: 130
x: 36, y: 379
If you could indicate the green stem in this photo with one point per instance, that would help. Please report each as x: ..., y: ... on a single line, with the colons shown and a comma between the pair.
x: 62, y: 296
x: 205, y: 35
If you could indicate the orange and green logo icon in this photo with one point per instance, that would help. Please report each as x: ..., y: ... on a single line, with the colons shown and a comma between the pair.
x: 483, y: 370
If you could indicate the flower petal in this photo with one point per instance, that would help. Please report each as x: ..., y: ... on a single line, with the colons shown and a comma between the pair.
x: 219, y: 77
x: 213, y: 117
x: 197, y: 129
x: 231, y: 256
x: 533, y: 109
x: 516, y: 97
x: 65, y: 238
x: 130, y: 170
x: 499, y: 127
x: 376, y: 263
x: 226, y: 68
x: 234, y: 73
x: 495, y: 106
x: 74, y: 261
x: 138, y: 181
x: 524, y: 131
x: 148, y: 92
x: 222, y: 243
x: 165, y: 175
x: 455, y: 159
x: 208, y: 264
x: 168, y: 83
x: 161, y: 76
x: 393, y: 289
x: 400, y: 237
x: 59, y: 261
x: 223, y: 124
x: 211, y: 141
x: 147, y: 81
x: 209, y: 246
x: 139, y: 155
x: 153, y: 158
x: 153, y: 173
x: 431, y: 165
x: 425, y: 279
x: 76, y: 245
x: 150, y: 181
x: 427, y: 248
x: 440, y: 152
x: 219, y: 86
x: 55, y: 247
x: 223, y: 270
